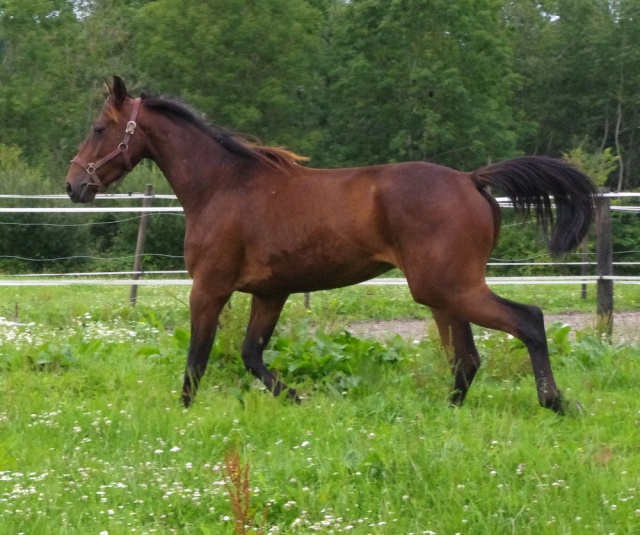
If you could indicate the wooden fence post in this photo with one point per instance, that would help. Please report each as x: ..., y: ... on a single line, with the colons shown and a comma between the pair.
x: 584, y: 267
x: 142, y: 233
x: 605, y: 266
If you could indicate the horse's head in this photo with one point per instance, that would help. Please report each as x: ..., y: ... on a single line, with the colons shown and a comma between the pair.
x: 110, y: 150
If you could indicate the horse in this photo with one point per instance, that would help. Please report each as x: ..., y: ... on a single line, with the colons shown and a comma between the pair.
x: 259, y: 221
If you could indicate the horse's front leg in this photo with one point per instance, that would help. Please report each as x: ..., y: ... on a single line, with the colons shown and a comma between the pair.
x: 265, y: 312
x: 205, y: 311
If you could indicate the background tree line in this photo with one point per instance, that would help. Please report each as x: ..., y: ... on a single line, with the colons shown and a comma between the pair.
x: 345, y: 82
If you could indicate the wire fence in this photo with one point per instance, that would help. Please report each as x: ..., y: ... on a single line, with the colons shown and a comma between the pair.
x: 380, y: 281
x: 180, y: 277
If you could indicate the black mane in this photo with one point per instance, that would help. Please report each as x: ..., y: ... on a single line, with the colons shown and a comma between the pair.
x: 272, y: 156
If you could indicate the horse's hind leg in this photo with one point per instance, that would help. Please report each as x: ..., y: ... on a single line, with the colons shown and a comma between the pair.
x: 479, y: 305
x: 460, y: 347
x: 525, y: 322
x: 265, y: 312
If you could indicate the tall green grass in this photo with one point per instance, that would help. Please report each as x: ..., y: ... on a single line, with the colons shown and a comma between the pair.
x: 93, y: 439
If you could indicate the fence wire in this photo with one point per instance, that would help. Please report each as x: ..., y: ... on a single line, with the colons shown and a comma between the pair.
x: 105, y: 277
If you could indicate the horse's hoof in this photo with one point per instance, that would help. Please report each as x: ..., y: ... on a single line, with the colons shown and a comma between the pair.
x: 186, y: 400
x: 565, y: 407
x: 557, y: 405
x: 456, y: 398
x: 292, y: 394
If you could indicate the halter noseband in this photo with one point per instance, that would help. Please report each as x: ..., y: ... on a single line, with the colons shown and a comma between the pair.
x: 123, y: 148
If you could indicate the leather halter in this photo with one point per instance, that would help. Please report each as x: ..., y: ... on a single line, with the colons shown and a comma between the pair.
x: 123, y: 148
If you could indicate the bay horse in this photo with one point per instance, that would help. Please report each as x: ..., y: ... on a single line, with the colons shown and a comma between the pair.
x: 257, y: 221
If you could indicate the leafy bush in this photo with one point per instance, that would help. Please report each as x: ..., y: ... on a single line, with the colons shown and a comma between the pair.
x: 341, y: 361
x: 51, y: 357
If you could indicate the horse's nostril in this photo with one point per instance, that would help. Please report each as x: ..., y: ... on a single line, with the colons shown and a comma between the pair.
x: 69, y: 190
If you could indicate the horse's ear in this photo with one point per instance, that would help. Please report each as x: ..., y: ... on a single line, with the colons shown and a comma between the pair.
x: 118, y: 91
x: 109, y: 87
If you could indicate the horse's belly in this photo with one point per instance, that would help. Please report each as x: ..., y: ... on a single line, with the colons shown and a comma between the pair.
x: 293, y: 273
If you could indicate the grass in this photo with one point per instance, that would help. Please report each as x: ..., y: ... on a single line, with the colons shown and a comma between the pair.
x: 354, y: 303
x: 93, y: 440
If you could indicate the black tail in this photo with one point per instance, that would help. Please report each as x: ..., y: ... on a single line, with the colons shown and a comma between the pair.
x: 530, y: 181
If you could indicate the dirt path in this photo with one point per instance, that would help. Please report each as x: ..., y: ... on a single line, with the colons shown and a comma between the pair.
x: 626, y: 326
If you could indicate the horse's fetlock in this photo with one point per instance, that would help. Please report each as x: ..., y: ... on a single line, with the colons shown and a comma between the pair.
x: 555, y: 403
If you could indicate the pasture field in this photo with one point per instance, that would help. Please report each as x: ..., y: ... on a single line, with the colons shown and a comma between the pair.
x: 93, y: 440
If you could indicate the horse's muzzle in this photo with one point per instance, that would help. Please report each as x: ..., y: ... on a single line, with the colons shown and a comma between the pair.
x: 83, y: 192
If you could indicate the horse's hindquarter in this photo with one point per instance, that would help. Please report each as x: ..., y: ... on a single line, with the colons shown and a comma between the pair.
x: 443, y: 229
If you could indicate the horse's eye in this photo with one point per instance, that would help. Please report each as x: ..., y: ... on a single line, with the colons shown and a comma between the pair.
x: 97, y: 130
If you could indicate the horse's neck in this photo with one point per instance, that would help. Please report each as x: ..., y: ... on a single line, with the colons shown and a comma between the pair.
x: 194, y: 164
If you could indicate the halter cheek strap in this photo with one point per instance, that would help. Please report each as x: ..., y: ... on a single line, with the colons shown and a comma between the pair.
x: 122, y: 148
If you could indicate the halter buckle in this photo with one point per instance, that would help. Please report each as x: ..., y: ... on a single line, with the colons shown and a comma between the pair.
x: 131, y: 127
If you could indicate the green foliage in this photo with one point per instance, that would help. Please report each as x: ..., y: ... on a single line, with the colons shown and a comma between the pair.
x: 521, y: 242
x: 41, y: 107
x: 102, y: 241
x: 51, y: 357
x: 421, y: 79
x: 598, y: 166
x: 364, y: 81
x: 626, y: 237
x: 558, y: 339
x: 525, y: 241
x: 340, y: 361
x: 579, y: 64
x: 18, y: 177
x: 249, y: 66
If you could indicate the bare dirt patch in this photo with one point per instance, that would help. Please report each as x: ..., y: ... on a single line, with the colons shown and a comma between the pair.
x: 626, y: 327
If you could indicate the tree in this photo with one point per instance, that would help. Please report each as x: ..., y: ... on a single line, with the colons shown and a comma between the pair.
x: 36, y: 39
x: 598, y: 166
x: 421, y: 79
x: 249, y: 65
x: 580, y: 63
x: 53, y: 53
